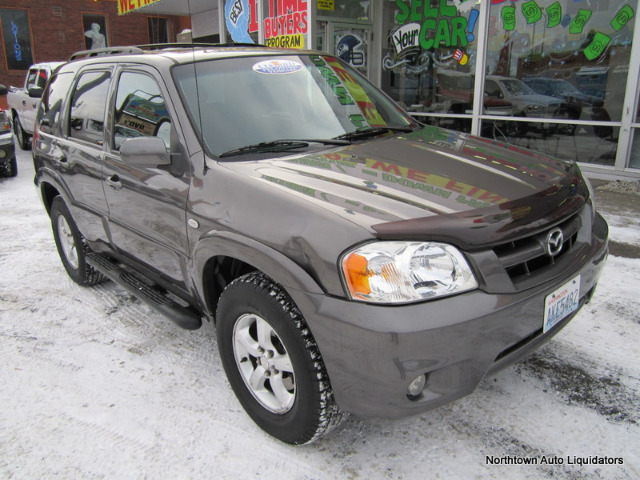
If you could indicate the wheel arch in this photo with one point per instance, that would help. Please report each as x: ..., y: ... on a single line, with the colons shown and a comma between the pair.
x: 48, y: 192
x: 221, y: 257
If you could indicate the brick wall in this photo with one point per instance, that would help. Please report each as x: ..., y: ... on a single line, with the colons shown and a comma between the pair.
x: 57, y: 29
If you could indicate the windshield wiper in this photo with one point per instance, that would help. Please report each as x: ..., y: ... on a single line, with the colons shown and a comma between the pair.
x: 372, y: 132
x: 281, y: 145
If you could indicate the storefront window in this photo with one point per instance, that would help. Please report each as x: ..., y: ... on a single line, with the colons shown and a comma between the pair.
x: 344, y: 9
x: 563, y: 61
x: 560, y: 59
x: 430, y: 57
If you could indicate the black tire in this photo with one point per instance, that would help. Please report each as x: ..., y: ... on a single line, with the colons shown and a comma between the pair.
x: 305, y: 409
x: 9, y: 169
x: 72, y: 246
x: 23, y: 137
x: 517, y: 129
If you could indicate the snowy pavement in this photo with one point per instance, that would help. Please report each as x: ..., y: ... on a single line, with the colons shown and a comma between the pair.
x: 94, y: 384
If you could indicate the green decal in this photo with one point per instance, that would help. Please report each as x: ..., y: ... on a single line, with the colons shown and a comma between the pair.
x: 597, y: 46
x: 358, y: 121
x: 531, y: 11
x: 554, y: 15
x: 509, y: 18
x: 580, y: 20
x: 623, y: 16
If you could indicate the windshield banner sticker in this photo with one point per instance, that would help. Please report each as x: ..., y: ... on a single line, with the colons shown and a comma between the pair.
x: 349, y: 93
x: 363, y: 101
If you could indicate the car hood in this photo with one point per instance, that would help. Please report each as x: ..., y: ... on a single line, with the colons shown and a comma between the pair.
x: 432, y: 184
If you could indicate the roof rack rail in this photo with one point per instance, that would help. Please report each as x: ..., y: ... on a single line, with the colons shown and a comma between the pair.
x: 160, y: 46
x: 100, y: 52
x: 138, y: 49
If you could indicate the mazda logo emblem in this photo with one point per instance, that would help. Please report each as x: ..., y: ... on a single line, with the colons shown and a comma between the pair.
x: 555, y: 239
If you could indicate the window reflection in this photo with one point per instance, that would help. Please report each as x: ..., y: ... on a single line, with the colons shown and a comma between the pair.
x: 582, y: 143
x: 140, y: 110
x: 87, y: 107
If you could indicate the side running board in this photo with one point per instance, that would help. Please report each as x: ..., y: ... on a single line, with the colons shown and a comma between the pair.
x: 186, y: 317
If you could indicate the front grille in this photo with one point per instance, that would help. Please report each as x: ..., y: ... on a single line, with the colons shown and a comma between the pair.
x: 524, y: 257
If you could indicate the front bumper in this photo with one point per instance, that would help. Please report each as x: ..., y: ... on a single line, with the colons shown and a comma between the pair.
x: 372, y: 353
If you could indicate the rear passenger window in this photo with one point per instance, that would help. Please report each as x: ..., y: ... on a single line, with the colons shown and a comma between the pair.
x: 51, y: 104
x: 86, y: 119
x: 140, y: 110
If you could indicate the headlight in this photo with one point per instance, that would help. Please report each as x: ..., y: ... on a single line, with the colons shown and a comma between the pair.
x: 403, y: 272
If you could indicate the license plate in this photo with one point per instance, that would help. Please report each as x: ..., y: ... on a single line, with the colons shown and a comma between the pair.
x: 560, y: 303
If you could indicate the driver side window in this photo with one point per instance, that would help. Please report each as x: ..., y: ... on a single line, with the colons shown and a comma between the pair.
x: 140, y: 110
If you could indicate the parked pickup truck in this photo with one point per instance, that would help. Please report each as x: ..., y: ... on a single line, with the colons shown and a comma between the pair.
x: 23, y: 101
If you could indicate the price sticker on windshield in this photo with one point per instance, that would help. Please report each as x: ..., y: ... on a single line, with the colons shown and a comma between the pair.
x: 560, y: 303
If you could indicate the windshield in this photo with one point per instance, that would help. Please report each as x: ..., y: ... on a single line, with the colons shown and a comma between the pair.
x: 565, y: 88
x: 236, y: 102
x: 516, y: 87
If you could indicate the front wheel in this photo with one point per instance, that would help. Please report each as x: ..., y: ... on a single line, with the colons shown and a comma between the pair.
x: 10, y: 169
x: 22, y: 136
x: 72, y: 246
x: 273, y: 363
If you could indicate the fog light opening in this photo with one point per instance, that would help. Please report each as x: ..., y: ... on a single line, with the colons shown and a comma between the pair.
x: 2, y: 153
x: 414, y: 391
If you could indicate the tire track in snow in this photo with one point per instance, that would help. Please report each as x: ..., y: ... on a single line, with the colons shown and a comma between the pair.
x: 604, y: 393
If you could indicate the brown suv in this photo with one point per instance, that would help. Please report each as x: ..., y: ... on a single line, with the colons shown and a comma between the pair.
x: 351, y: 259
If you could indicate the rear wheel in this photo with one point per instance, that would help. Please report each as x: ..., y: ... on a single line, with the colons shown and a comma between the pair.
x: 272, y: 361
x: 72, y: 246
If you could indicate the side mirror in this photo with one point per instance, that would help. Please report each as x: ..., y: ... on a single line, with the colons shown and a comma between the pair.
x: 145, y: 152
x: 3, y: 90
x: 36, y: 92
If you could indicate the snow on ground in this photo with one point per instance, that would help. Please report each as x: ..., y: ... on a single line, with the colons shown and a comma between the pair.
x: 94, y: 384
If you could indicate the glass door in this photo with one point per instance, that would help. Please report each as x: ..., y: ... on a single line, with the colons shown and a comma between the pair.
x: 351, y: 43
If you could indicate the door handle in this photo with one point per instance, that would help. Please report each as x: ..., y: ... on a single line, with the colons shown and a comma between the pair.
x: 114, y: 182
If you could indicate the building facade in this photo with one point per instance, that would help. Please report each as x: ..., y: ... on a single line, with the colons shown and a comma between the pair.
x: 557, y: 76
x: 34, y: 31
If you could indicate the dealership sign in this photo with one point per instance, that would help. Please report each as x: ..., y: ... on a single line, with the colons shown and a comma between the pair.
x: 126, y: 6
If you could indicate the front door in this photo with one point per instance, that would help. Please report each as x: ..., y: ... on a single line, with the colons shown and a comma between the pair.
x: 146, y: 205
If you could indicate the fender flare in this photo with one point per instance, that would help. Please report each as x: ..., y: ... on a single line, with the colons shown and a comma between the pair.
x: 269, y: 261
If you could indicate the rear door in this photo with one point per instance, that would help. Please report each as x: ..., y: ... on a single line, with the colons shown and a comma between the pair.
x: 79, y: 152
x: 146, y: 205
